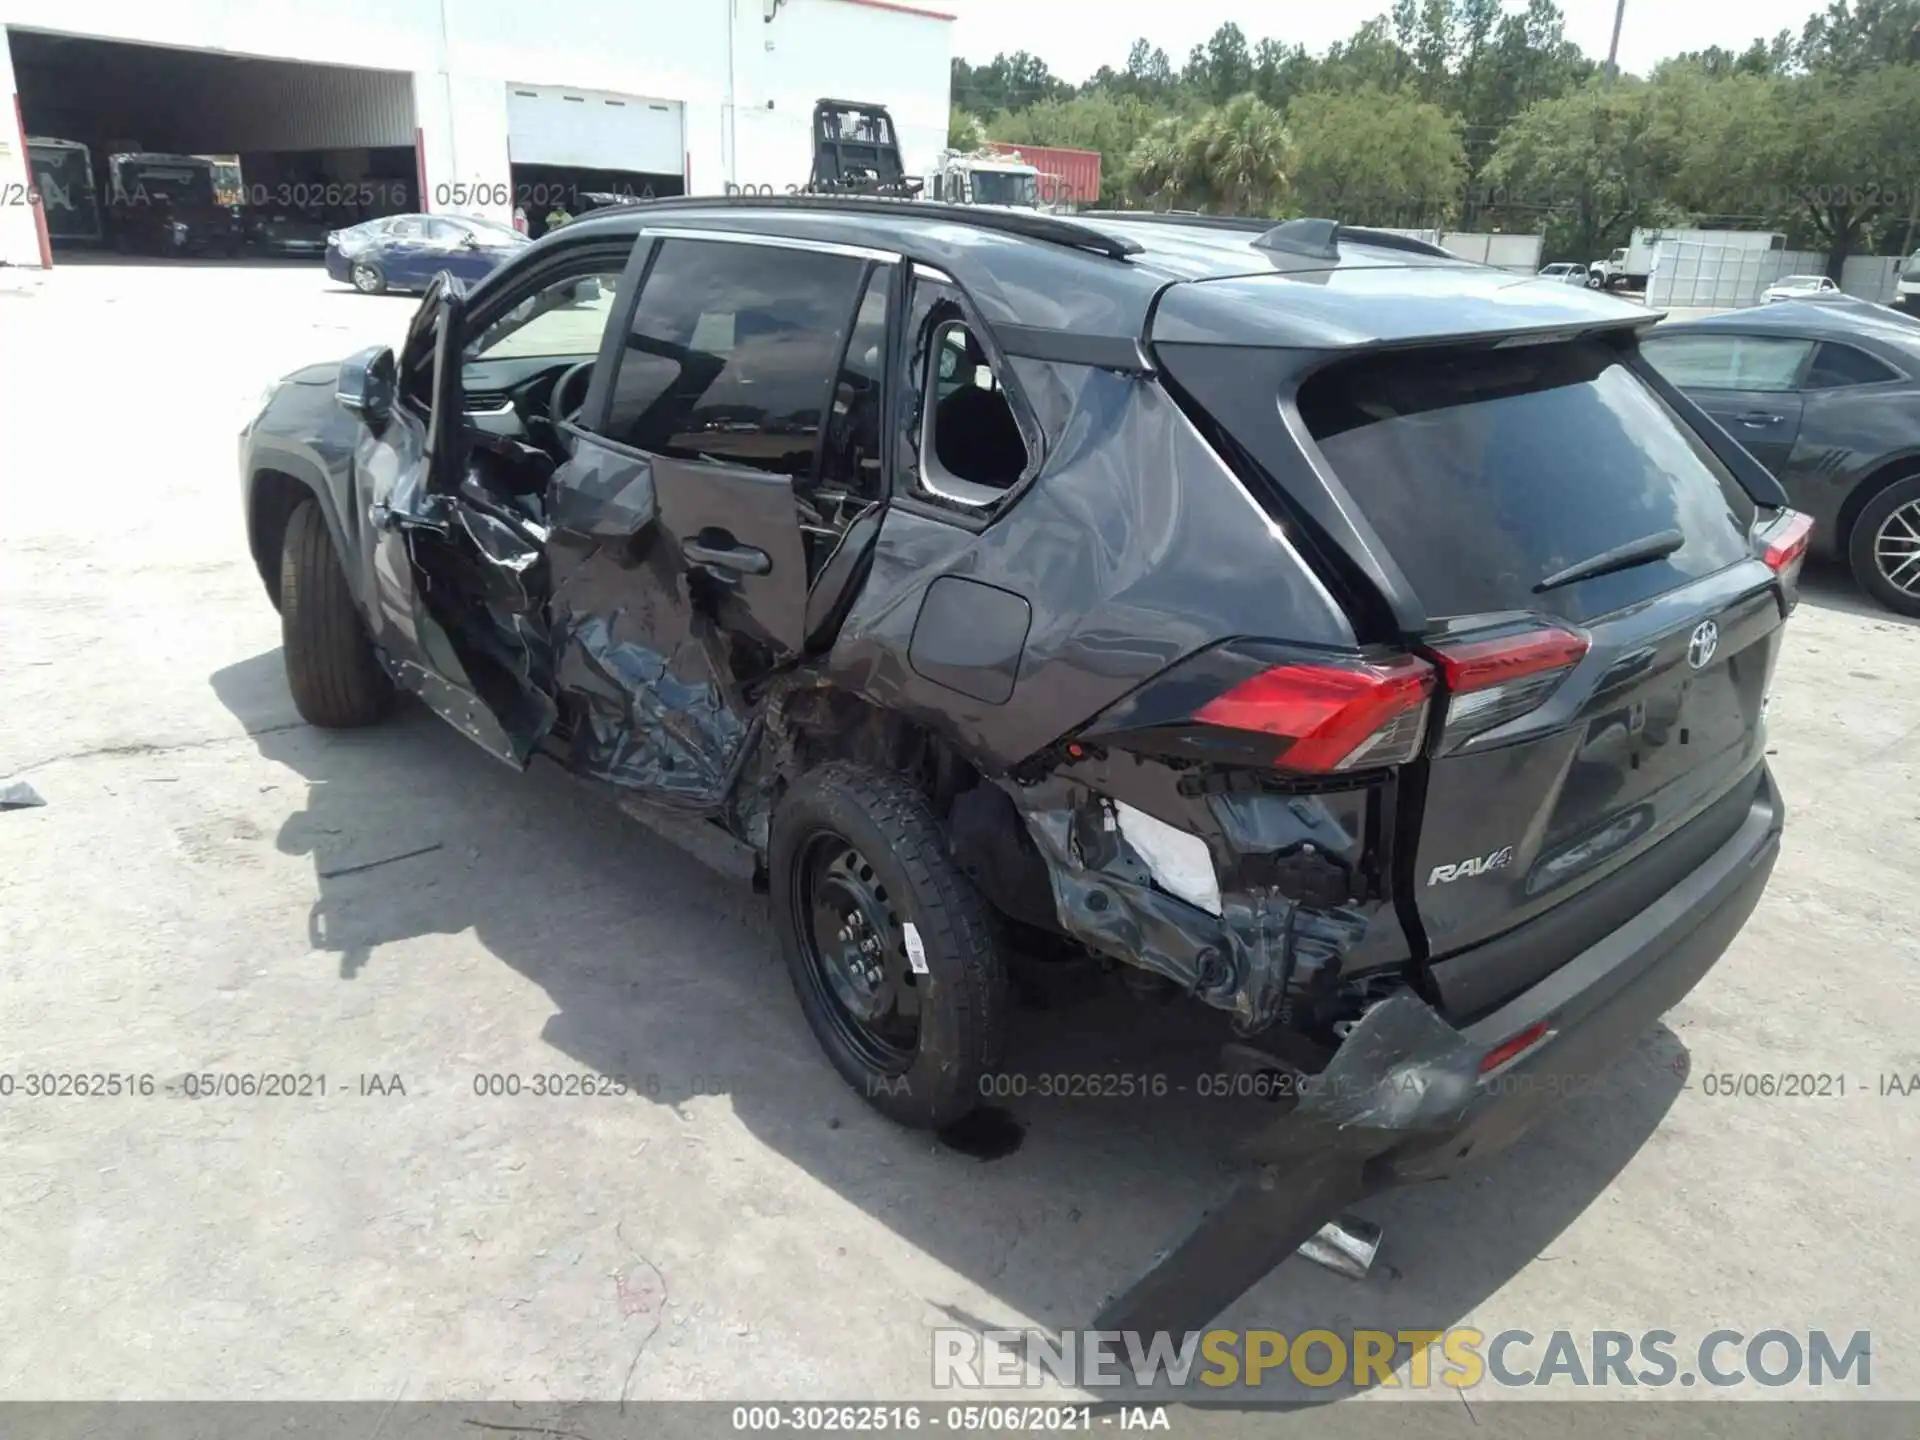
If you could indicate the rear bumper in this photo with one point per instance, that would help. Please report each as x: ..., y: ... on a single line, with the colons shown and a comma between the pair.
x: 1403, y: 1098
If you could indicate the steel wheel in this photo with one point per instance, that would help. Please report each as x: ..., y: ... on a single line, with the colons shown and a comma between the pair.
x: 854, y: 953
x: 1896, y: 548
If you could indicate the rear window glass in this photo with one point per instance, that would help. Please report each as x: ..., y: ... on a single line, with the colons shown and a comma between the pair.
x: 1486, y: 471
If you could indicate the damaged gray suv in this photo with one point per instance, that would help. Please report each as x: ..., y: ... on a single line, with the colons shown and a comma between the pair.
x: 1369, y: 643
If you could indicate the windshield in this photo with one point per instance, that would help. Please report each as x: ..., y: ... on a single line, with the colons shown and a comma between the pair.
x: 999, y: 187
x: 177, y: 184
x: 1803, y: 282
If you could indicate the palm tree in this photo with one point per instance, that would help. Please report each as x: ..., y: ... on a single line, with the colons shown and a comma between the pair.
x: 1242, y: 152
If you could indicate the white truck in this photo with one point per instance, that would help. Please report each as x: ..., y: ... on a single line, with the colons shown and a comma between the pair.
x: 1629, y: 266
x: 983, y: 177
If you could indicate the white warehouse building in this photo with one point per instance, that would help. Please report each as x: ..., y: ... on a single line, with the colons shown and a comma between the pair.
x: 461, y: 105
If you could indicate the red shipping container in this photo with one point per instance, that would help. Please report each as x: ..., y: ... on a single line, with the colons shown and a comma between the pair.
x: 1067, y: 177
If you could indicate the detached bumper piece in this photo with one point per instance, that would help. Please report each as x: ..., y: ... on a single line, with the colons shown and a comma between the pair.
x: 1408, y: 1097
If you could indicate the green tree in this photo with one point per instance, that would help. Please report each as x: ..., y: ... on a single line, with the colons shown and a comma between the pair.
x: 1375, y: 157
x: 1586, y: 167
x: 1231, y: 159
x: 1851, y: 37
x: 1369, y: 58
x: 1006, y: 82
x: 964, y: 131
x: 1826, y: 156
x: 1281, y: 71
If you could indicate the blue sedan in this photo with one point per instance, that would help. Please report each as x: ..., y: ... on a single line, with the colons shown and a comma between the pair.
x: 405, y: 252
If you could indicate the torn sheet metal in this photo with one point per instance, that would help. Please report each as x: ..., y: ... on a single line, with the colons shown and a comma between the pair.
x: 1256, y: 957
x: 657, y: 722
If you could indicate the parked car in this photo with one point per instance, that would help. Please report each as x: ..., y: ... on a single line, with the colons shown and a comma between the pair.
x: 405, y: 252
x: 1566, y: 271
x: 1234, y: 602
x: 166, y: 205
x: 1826, y: 394
x: 288, y: 232
x: 1798, y: 287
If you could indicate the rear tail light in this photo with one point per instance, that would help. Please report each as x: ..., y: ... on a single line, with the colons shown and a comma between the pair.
x: 1500, y: 678
x: 1332, y: 717
x: 1785, y: 541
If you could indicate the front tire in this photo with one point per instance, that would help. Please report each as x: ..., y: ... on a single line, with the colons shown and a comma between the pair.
x: 855, y: 856
x: 367, y: 279
x: 1883, y: 549
x: 336, y: 679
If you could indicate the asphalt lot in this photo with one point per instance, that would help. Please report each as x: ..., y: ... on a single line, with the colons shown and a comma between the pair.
x: 212, y: 886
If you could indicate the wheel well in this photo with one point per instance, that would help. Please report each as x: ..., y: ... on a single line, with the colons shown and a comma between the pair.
x: 1891, y: 473
x: 828, y: 724
x: 276, y: 495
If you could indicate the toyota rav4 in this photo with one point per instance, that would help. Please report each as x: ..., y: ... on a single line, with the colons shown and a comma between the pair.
x: 1369, y: 643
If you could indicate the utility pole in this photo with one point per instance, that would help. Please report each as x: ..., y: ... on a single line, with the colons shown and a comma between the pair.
x: 1613, y: 50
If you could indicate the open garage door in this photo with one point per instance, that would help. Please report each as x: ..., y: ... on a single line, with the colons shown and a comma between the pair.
x: 315, y: 146
x: 571, y: 150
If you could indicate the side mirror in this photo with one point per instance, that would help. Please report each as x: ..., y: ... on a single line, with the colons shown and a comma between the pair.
x: 470, y: 241
x: 366, y: 384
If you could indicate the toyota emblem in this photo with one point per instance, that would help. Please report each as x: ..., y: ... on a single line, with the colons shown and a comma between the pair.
x: 1705, y: 641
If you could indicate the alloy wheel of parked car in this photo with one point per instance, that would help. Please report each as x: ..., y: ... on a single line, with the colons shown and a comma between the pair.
x: 367, y: 279
x: 1884, y: 549
x: 912, y: 1019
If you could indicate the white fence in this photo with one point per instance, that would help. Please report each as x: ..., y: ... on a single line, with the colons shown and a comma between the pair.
x: 1518, y: 253
x: 1688, y: 273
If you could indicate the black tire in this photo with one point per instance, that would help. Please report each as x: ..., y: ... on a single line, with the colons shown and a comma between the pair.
x: 963, y: 1000
x: 1895, y: 510
x: 366, y: 278
x: 335, y: 677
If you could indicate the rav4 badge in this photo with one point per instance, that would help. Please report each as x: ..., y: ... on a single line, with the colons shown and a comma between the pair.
x: 1466, y: 869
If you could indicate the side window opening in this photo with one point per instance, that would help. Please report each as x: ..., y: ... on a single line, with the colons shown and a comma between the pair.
x: 971, y: 448
x: 732, y: 352
x: 850, y: 478
x: 1838, y: 366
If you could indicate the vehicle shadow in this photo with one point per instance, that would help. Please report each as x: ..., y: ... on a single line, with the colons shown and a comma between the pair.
x: 1829, y: 585
x: 658, y: 965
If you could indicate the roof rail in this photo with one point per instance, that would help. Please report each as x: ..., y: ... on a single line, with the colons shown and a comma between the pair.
x: 1025, y: 224
x: 1320, y: 240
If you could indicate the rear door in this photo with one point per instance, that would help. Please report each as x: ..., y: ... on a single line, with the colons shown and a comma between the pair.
x: 709, y: 526
x: 1750, y: 384
x: 1594, y: 708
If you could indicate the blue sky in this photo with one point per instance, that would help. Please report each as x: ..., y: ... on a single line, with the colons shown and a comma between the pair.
x: 1077, y: 37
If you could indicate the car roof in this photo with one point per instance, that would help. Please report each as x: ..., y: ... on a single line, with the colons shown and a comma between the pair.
x: 1838, y: 318
x: 1101, y: 274
x: 1892, y: 334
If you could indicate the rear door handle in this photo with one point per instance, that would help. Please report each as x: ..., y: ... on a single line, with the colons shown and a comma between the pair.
x: 743, y: 558
x: 1757, y: 418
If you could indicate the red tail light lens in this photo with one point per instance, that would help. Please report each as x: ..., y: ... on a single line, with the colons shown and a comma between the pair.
x: 1786, y: 540
x: 1336, y: 717
x: 1513, y: 1047
x: 1501, y: 678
